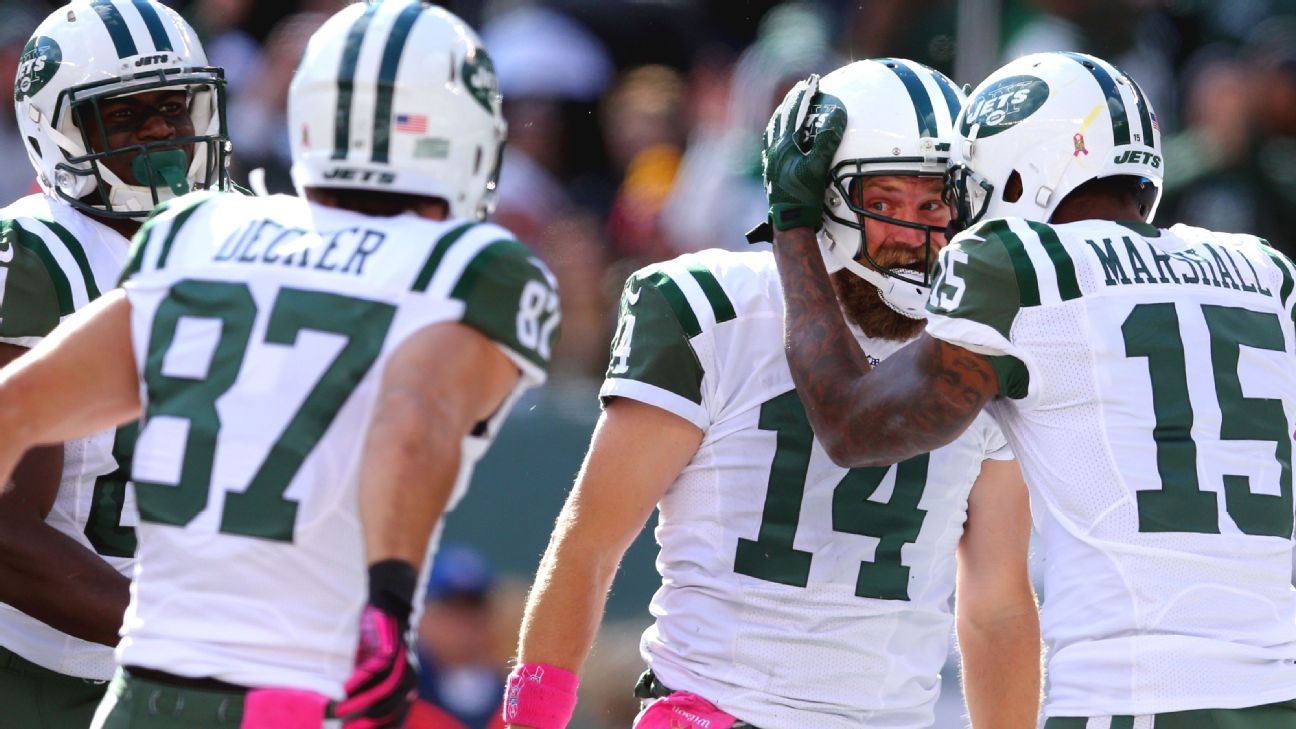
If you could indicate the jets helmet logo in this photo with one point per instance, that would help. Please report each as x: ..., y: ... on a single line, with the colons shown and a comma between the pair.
x: 39, y: 62
x: 479, y: 77
x: 1000, y: 106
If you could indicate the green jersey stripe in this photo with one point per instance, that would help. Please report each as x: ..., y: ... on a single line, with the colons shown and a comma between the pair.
x: 721, y: 306
x: 117, y: 28
x: 1281, y: 262
x: 34, y: 243
x: 78, y: 254
x: 1068, y: 285
x: 1027, y: 281
x: 1147, y: 230
x: 424, y: 279
x: 1115, y: 104
x: 387, y: 79
x: 178, y: 222
x: 482, y: 261
x: 922, y: 102
x: 1144, y: 112
x: 153, y: 21
x: 346, y: 82
x: 677, y: 300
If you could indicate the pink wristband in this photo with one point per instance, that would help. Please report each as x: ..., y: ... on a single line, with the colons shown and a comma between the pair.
x: 540, y: 695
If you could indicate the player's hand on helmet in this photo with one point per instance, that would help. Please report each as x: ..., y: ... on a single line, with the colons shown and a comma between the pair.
x: 800, y: 142
x: 381, y: 689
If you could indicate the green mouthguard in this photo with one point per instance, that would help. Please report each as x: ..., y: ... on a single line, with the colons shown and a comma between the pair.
x: 165, y: 168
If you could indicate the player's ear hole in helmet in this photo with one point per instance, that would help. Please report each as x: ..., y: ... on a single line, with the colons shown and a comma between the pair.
x: 1050, y: 122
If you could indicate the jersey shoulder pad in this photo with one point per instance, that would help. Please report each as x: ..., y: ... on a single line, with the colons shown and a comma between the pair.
x: 985, y: 275
x: 664, y: 307
x: 44, y: 274
x: 152, y: 245
x: 510, y: 296
x: 1282, y: 263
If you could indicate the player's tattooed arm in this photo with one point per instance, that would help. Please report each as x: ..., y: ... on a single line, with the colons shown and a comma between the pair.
x: 920, y: 398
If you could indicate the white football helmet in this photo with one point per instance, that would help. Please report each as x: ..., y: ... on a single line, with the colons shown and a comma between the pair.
x: 89, y: 51
x: 1054, y: 120
x: 401, y: 97
x: 900, y: 117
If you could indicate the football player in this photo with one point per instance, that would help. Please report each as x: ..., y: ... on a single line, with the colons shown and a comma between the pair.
x: 119, y: 111
x: 1145, y: 377
x: 794, y: 593
x: 316, y: 377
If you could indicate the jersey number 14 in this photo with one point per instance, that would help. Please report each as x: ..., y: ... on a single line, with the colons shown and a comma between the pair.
x: 895, y: 523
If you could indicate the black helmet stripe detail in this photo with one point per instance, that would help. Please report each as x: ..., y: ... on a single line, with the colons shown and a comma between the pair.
x: 346, y: 82
x: 157, y: 31
x: 387, y: 78
x: 922, y: 101
x: 117, y: 28
x: 1115, y: 104
x: 951, y: 96
x: 1144, y: 111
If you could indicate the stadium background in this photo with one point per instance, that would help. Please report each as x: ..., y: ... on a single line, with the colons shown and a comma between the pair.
x: 634, y: 137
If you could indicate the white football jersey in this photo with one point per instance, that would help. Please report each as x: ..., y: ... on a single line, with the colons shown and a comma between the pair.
x: 1148, y: 385
x: 261, y: 329
x: 795, y: 593
x: 54, y: 260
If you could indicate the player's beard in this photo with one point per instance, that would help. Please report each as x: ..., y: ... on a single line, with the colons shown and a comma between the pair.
x: 862, y: 302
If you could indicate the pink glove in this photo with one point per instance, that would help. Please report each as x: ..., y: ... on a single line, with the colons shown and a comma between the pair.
x: 380, y: 692
x: 273, y: 708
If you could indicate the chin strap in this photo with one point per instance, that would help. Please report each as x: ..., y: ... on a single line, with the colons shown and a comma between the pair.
x: 907, y: 299
x: 904, y: 298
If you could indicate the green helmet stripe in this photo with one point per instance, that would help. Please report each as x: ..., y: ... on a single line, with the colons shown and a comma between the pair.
x: 157, y: 31
x: 951, y: 97
x: 117, y: 28
x: 918, y: 94
x: 387, y: 79
x: 1115, y: 104
x: 1144, y: 112
x: 346, y: 82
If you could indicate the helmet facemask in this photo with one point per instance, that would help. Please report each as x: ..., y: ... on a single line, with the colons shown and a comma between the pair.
x: 968, y: 195
x: 900, y: 122
x: 903, y: 289
x: 848, y: 178
x: 166, y: 168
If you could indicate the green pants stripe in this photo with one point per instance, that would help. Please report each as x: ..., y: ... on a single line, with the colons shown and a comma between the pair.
x: 137, y: 703
x: 33, y: 697
x: 1281, y: 715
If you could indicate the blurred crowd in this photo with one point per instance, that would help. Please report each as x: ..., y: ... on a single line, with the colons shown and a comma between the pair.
x: 634, y: 126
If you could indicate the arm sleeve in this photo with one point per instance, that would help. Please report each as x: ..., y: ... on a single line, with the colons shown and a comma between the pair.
x: 34, y: 292
x: 512, y: 298
x: 976, y: 298
x: 652, y: 359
